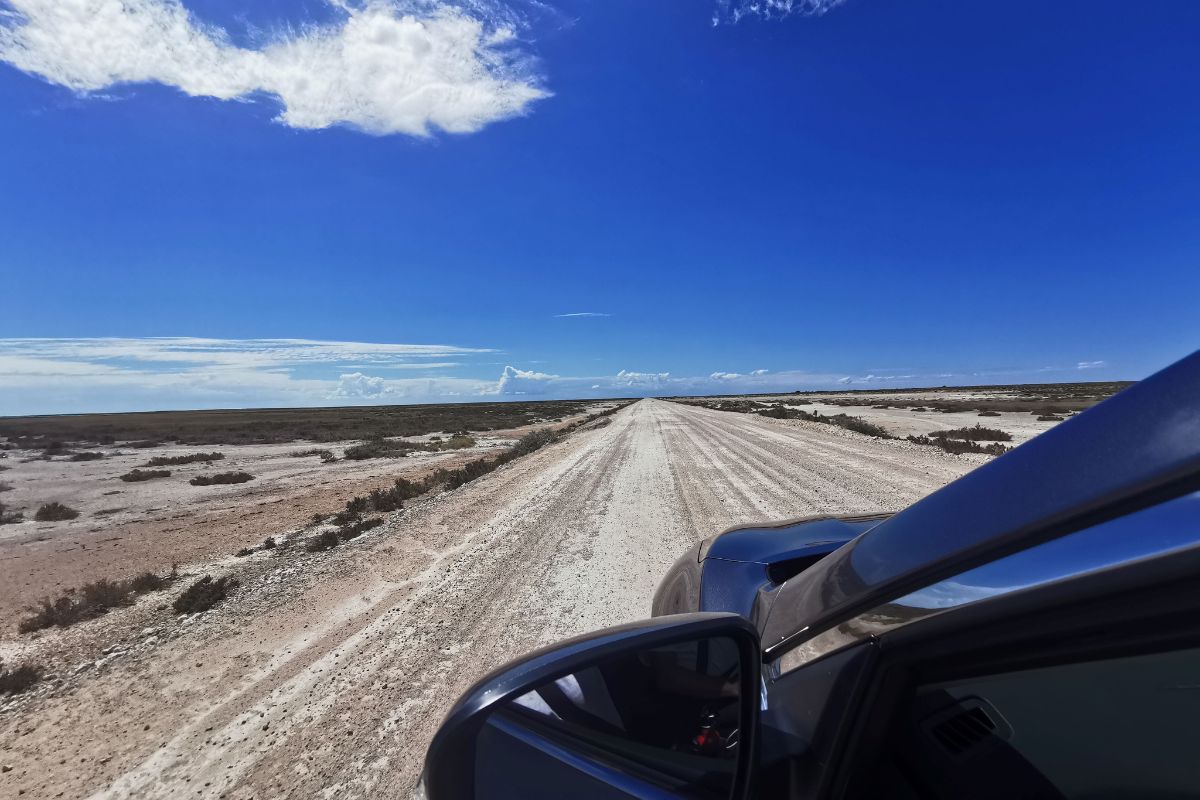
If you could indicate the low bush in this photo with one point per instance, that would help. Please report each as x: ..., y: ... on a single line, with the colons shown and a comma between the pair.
x: 920, y: 408
x: 92, y: 600
x: 857, y: 424
x: 268, y: 543
x: 978, y: 433
x: 90, y: 456
x: 221, y: 478
x: 385, y: 448
x: 326, y: 540
x: 456, y: 442
x: 354, y: 530
x: 144, y: 444
x: 5, y: 487
x: 881, y: 408
x: 1050, y: 418
x: 989, y: 413
x: 960, y: 445
x: 55, y: 512
x: 322, y: 453
x: 135, y: 475
x: 204, y: 594
x: 10, y: 517
x: 175, y: 461
x: 18, y: 679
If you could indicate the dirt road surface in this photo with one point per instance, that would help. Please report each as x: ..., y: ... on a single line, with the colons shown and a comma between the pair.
x: 326, y: 674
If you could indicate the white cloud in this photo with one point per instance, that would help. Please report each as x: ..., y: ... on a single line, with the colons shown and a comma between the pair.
x: 725, y: 376
x: 760, y: 372
x: 358, y: 385
x: 385, y: 66
x: 582, y: 314
x: 1091, y: 364
x: 736, y: 10
x: 519, y: 381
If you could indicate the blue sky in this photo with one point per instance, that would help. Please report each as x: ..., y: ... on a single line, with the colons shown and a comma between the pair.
x: 297, y: 202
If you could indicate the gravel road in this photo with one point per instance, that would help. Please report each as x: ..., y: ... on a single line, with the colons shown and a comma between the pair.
x: 327, y: 674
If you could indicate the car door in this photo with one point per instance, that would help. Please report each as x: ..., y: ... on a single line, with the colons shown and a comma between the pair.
x: 1070, y: 670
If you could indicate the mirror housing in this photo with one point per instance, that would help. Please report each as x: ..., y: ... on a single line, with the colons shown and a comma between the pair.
x: 562, y: 765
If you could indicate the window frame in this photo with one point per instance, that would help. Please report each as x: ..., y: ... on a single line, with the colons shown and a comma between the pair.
x: 1130, y: 609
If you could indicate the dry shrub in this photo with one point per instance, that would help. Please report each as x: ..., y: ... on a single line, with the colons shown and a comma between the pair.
x: 91, y: 600
x: 978, y: 433
x: 204, y: 594
x: 1050, y: 418
x: 55, y: 512
x: 175, y: 461
x: 960, y: 445
x: 87, y: 456
x: 221, y: 478
x: 18, y: 679
x: 135, y: 475
x: 10, y: 517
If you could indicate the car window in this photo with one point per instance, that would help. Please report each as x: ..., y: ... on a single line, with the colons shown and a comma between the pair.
x: 1101, y: 730
x: 1152, y: 531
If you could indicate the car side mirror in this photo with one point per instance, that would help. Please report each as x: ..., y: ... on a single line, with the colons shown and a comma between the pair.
x: 663, y: 708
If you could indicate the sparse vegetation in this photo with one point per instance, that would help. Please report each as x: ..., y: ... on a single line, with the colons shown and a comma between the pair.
x: 204, y: 594
x: 383, y: 448
x: 266, y: 426
x: 221, y: 478
x: 91, y: 600
x: 989, y: 413
x: 245, y: 551
x: 5, y: 487
x: 327, y: 540
x: 18, y: 679
x: 1050, y: 418
x: 175, y: 461
x: 135, y: 475
x: 268, y: 543
x: 960, y: 445
x: 87, y: 456
x: 858, y: 424
x: 55, y: 512
x: 978, y: 433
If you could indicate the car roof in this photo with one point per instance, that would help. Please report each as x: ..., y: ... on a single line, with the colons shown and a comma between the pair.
x: 1138, y: 448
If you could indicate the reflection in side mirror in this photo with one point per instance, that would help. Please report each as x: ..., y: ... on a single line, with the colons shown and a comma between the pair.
x: 664, y: 708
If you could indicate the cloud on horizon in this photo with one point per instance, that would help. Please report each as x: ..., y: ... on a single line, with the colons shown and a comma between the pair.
x: 582, y: 314
x: 56, y: 376
x: 382, y: 67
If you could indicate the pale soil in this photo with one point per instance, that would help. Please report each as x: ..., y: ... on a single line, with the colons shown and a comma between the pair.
x: 902, y: 422
x: 326, y: 674
x: 127, y: 528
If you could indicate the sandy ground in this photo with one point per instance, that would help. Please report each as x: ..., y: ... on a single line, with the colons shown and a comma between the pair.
x: 326, y: 674
x: 1021, y: 425
x: 126, y: 528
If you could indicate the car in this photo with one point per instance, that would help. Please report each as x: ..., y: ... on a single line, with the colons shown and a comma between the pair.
x: 1031, y: 630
